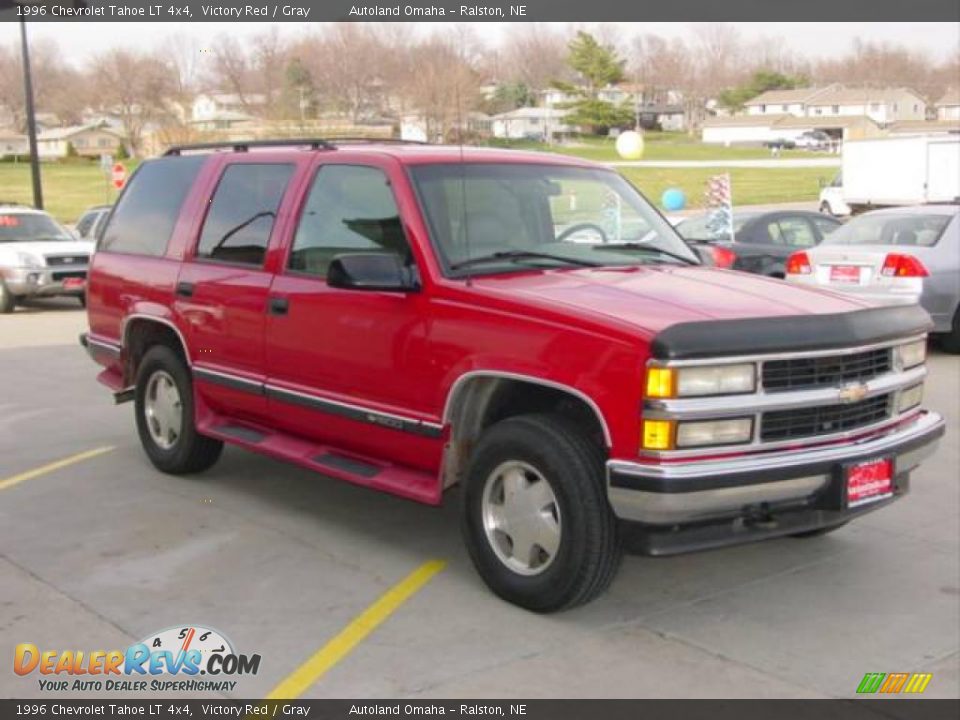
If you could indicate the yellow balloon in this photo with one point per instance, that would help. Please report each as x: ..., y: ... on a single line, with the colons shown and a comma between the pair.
x: 630, y: 145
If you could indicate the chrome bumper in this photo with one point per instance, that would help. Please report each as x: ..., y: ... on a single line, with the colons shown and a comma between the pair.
x: 42, y: 281
x: 689, y: 492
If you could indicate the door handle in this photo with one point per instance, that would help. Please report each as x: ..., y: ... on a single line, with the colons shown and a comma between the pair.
x: 185, y: 289
x: 278, y: 305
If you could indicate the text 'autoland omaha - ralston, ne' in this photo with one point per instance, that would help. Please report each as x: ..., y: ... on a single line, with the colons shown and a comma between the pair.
x: 438, y: 11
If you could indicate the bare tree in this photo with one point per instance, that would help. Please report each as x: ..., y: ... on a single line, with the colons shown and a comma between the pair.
x: 534, y: 55
x: 135, y: 86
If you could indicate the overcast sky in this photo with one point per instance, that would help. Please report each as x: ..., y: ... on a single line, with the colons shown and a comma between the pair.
x: 821, y: 39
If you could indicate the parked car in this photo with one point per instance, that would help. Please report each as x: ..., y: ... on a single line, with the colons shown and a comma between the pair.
x: 526, y: 326
x: 780, y: 144
x: 38, y: 257
x: 814, y: 140
x: 831, y: 198
x: 89, y: 224
x: 894, y: 256
x: 762, y: 241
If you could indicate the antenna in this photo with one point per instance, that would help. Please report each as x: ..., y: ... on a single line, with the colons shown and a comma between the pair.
x: 463, y: 184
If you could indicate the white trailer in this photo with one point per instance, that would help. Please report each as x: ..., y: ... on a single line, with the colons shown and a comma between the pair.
x: 907, y: 170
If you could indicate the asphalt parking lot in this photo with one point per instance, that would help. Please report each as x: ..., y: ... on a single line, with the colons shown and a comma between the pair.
x: 105, y: 551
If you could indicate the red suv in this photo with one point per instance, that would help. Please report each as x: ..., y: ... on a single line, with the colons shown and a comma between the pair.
x: 410, y: 318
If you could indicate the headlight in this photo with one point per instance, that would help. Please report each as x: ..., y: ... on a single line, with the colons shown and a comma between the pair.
x: 697, y: 381
x: 28, y: 260
x: 731, y: 431
x: 911, y: 354
x: 910, y: 398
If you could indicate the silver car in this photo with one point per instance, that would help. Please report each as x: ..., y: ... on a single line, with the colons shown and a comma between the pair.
x: 893, y: 256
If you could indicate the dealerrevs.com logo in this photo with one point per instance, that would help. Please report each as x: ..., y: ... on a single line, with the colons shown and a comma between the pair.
x: 169, y: 660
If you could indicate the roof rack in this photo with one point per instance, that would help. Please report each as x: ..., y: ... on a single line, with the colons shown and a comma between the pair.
x: 312, y: 143
x: 245, y: 145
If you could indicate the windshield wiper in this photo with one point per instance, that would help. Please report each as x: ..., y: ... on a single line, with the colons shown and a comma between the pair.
x: 521, y: 255
x: 645, y: 248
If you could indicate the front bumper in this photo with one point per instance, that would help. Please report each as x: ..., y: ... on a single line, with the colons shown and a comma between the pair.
x: 45, y: 281
x: 683, y: 506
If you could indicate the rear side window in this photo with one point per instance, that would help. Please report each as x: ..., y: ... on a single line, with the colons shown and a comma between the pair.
x: 242, y: 213
x: 143, y: 220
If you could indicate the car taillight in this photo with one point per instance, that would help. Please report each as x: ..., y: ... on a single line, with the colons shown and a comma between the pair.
x: 723, y: 257
x: 897, y: 265
x: 798, y: 264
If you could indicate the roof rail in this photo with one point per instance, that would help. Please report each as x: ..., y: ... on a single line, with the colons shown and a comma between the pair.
x: 347, y: 139
x: 313, y: 143
x: 13, y: 203
x: 245, y: 145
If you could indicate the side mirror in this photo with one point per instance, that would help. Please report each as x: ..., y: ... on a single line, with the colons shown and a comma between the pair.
x: 372, y: 271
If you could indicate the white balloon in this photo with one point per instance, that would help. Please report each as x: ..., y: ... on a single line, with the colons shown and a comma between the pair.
x: 630, y: 145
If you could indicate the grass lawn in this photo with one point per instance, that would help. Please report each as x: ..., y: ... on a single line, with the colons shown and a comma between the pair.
x: 751, y: 186
x: 68, y: 189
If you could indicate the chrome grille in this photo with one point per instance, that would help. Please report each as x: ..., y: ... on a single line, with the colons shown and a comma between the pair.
x: 58, y: 260
x: 805, y: 422
x: 813, y: 372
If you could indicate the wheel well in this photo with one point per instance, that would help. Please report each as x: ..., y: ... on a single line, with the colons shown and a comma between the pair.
x: 482, y: 401
x: 139, y: 336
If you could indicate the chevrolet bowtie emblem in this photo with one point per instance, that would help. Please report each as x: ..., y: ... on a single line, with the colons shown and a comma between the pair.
x: 853, y: 393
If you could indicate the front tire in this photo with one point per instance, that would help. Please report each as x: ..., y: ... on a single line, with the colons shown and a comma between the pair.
x: 165, y: 417
x: 7, y: 301
x: 826, y: 209
x: 950, y: 342
x: 535, y: 516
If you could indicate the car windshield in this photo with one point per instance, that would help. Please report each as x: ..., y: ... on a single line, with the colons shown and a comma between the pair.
x: 907, y: 229
x: 491, y: 218
x: 706, y: 229
x: 21, y: 227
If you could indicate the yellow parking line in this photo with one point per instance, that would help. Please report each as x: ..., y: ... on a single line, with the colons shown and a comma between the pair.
x: 297, y: 682
x: 43, y: 470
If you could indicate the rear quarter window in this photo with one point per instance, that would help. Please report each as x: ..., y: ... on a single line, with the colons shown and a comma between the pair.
x: 147, y: 212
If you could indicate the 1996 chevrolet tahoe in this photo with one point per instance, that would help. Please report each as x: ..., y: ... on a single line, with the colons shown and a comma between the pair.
x: 410, y: 318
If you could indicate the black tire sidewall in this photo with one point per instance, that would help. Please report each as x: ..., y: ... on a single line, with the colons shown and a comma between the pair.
x: 579, y: 505
x: 163, y: 358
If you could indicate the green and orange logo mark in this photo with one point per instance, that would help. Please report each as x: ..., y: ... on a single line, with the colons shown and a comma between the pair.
x: 914, y: 683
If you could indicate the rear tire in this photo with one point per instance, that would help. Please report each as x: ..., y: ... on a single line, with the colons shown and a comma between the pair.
x: 826, y: 209
x: 950, y: 342
x: 164, y: 409
x: 535, y: 516
x: 7, y: 301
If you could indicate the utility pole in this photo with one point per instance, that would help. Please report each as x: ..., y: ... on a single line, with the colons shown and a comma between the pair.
x: 31, y: 118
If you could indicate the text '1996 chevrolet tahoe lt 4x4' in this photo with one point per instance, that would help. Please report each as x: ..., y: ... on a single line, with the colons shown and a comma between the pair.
x: 410, y: 318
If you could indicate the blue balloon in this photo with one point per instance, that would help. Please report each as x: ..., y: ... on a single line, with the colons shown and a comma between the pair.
x: 673, y: 199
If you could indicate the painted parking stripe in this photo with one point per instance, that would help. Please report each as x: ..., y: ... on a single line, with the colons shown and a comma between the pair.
x: 51, y: 467
x: 300, y: 680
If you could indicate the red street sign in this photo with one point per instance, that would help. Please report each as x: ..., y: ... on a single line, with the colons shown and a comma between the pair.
x: 118, y: 175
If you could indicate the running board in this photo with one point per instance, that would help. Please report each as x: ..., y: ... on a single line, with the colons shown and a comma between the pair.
x: 405, y: 482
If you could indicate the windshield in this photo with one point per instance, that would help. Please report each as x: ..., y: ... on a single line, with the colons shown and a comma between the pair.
x: 21, y: 227
x: 706, y: 229
x: 508, y: 217
x: 890, y: 229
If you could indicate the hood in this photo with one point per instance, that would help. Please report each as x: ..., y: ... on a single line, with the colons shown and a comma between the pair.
x: 42, y: 248
x: 652, y: 298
